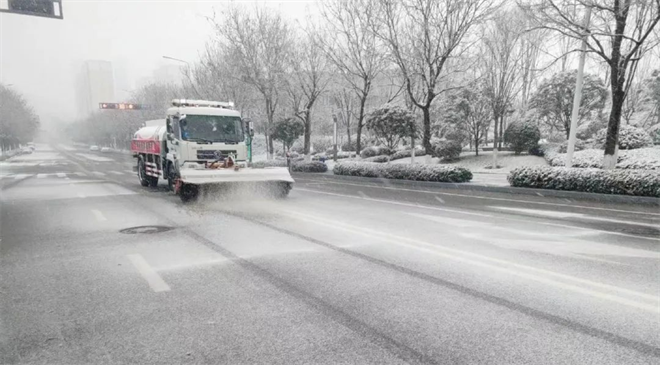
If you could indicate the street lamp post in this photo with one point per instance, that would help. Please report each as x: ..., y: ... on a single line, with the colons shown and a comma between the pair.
x: 187, y: 73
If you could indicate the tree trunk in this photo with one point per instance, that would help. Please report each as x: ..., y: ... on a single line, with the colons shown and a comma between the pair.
x: 358, y: 143
x: 308, y: 135
x: 495, y: 140
x: 426, y: 136
x: 612, y: 139
x: 476, y: 146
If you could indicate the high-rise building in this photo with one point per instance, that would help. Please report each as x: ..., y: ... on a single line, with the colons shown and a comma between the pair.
x: 95, y: 85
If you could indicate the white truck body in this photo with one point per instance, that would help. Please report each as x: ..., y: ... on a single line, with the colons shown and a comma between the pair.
x: 185, y: 148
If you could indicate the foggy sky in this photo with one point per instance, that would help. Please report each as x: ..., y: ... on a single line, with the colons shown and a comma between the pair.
x: 41, y: 57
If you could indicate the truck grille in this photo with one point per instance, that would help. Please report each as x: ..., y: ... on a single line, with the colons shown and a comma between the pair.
x: 213, y: 154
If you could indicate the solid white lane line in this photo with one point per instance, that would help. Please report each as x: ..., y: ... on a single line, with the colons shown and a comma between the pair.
x: 485, y: 215
x: 61, y: 174
x: 41, y: 176
x: 154, y: 280
x: 20, y: 176
x: 483, y: 197
x: 508, y: 266
x: 116, y: 172
x: 130, y: 171
x: 99, y: 216
x: 98, y: 173
x: 395, y: 203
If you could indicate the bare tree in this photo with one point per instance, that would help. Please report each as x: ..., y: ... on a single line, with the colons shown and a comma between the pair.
x: 423, y: 36
x: 502, y: 61
x: 620, y: 33
x: 308, y: 79
x: 354, y: 49
x: 257, y: 43
x: 343, y: 98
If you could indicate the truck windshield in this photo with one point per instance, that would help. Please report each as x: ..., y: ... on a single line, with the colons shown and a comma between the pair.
x: 212, y: 128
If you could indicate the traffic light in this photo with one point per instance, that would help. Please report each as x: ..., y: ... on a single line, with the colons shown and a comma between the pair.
x: 44, y: 8
x: 122, y: 106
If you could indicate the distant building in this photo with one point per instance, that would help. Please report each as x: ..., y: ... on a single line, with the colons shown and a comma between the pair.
x: 168, y: 74
x: 95, y: 85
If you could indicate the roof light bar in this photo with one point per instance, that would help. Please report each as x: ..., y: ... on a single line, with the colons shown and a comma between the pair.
x: 202, y: 103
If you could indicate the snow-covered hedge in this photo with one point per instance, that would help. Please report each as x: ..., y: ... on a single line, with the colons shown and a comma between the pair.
x: 313, y: 166
x: 417, y: 172
x: 407, y: 153
x: 629, y: 137
x: 340, y: 155
x: 642, y: 159
x: 268, y: 163
x: 627, y: 182
x: 378, y: 159
x: 375, y: 151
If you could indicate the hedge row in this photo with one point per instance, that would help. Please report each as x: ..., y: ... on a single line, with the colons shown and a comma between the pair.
x: 627, y: 182
x: 417, y: 172
x: 407, y: 154
x: 378, y: 159
x: 313, y: 166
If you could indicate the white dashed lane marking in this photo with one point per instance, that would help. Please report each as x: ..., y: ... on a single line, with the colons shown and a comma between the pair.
x: 154, y: 280
x: 61, y: 174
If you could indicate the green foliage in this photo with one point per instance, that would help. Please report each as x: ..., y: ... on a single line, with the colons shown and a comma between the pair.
x: 18, y: 121
x: 287, y: 131
x: 629, y: 137
x: 468, y: 115
x: 522, y: 136
x: 375, y: 151
x: 416, y: 172
x: 627, y: 182
x: 553, y: 101
x: 390, y: 123
x: 448, y: 150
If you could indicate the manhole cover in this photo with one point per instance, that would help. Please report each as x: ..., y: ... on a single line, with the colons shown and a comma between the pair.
x: 145, y: 229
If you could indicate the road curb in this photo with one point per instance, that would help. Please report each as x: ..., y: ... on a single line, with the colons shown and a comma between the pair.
x: 425, y: 185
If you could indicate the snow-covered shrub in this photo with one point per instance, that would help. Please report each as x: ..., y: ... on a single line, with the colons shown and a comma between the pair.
x: 521, y: 136
x: 642, y: 158
x: 654, y: 131
x: 417, y: 172
x: 378, y: 159
x: 313, y: 166
x: 340, y: 155
x: 448, y: 150
x: 320, y: 144
x: 627, y: 182
x: 349, y: 146
x: 268, y: 163
x: 629, y: 137
x: 407, y: 153
x: 375, y: 151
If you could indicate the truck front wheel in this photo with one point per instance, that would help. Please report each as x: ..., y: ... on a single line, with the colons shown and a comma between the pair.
x: 188, y: 192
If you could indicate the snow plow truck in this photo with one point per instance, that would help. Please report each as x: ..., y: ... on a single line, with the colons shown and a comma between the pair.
x: 202, y: 144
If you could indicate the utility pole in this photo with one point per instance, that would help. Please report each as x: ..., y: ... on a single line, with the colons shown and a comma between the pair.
x: 577, y: 98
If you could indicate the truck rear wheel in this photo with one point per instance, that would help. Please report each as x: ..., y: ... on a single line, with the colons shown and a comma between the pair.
x: 146, y: 180
x: 142, y: 173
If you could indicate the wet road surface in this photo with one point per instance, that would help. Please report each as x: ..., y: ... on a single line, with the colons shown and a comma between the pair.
x: 97, y: 269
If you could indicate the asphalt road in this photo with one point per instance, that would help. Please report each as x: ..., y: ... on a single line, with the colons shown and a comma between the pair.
x: 340, y: 272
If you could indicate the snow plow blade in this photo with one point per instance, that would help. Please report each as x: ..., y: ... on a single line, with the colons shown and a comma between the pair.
x: 219, y: 176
